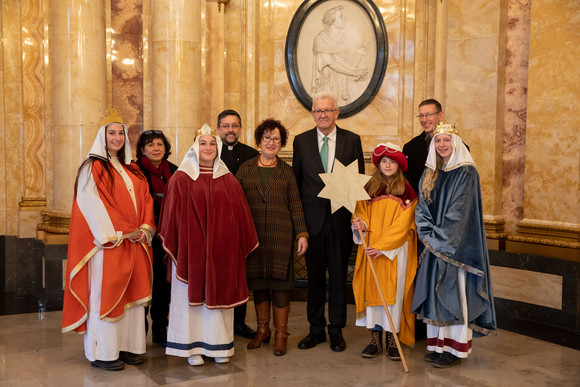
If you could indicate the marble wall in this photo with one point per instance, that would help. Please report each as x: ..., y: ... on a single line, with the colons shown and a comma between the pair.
x: 175, y: 65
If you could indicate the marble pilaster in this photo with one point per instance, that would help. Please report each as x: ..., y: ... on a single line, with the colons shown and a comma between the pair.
x: 79, y: 86
x: 176, y: 94
x: 12, y: 140
x: 515, y: 104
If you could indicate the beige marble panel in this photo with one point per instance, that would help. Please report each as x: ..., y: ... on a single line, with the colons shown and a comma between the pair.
x: 472, y: 87
x: 527, y: 286
x: 12, y: 105
x: 553, y: 124
x: 27, y: 223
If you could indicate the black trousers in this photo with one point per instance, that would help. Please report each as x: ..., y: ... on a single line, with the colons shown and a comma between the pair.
x: 327, y: 252
x: 161, y: 294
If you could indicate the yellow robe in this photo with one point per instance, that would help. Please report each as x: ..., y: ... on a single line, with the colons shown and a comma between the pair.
x: 391, y: 222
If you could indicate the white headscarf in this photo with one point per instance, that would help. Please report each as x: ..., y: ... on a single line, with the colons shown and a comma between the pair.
x: 459, y: 157
x: 190, y: 163
x: 99, y: 148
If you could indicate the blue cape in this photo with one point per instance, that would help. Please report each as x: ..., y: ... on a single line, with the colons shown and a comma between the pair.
x: 452, y: 231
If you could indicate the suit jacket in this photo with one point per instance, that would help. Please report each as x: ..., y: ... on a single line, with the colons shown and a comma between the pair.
x: 307, y: 165
x: 416, y: 151
x: 278, y: 217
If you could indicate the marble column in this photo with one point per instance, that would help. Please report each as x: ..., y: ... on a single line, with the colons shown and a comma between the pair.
x: 127, y: 64
x: 78, y: 66
x: 176, y: 92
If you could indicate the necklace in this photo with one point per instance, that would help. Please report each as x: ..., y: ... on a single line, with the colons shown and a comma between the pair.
x: 266, y: 165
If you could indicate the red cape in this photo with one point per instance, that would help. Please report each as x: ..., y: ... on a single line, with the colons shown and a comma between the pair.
x: 127, y: 269
x: 207, y: 230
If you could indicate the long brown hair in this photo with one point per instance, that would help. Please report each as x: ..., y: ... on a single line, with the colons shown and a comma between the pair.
x: 430, y: 179
x: 395, y: 184
x: 88, y: 163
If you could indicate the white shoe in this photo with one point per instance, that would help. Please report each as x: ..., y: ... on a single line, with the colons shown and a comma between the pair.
x: 222, y: 360
x: 195, y: 360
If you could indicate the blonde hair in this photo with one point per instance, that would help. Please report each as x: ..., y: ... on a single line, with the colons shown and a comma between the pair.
x: 430, y: 179
x: 395, y: 184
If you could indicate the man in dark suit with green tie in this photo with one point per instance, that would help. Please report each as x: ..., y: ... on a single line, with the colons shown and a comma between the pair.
x: 330, y: 243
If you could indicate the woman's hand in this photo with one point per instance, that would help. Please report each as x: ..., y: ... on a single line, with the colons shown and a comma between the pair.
x: 138, y: 238
x: 358, y: 224
x: 302, y: 245
x: 373, y: 253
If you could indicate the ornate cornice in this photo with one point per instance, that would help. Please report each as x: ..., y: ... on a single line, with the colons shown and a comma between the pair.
x: 549, y: 233
x: 54, y: 222
x: 32, y: 202
x: 494, y: 227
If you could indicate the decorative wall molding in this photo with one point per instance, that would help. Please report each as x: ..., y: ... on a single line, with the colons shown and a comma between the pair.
x: 32, y: 203
x: 543, y: 232
x: 54, y: 222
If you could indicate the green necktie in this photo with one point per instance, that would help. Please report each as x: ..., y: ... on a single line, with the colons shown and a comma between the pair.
x: 324, y: 153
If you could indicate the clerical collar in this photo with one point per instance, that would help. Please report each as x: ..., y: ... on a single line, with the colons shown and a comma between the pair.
x: 231, y: 147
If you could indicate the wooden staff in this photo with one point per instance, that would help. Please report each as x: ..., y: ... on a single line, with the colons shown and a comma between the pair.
x: 384, y: 303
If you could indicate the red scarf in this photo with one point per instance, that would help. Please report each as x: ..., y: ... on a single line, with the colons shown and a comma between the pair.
x: 159, y: 177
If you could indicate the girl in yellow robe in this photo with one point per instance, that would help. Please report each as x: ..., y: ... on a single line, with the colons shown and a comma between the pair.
x: 387, y: 222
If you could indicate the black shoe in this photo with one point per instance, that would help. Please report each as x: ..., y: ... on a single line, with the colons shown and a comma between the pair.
x: 392, y: 350
x: 375, y: 346
x: 311, y: 340
x: 130, y: 358
x: 111, y: 365
x: 431, y: 357
x: 241, y: 329
x: 337, y: 343
x: 446, y: 360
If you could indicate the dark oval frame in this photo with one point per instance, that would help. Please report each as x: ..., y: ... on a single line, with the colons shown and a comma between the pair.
x: 379, y: 70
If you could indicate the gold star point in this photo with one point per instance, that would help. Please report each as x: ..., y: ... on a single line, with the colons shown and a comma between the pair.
x: 344, y: 186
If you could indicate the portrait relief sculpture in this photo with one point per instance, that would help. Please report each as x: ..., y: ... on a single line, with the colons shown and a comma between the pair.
x: 336, y: 65
x: 337, y: 46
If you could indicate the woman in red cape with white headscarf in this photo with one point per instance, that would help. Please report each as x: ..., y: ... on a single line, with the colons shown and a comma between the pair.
x: 108, y: 276
x: 207, y: 231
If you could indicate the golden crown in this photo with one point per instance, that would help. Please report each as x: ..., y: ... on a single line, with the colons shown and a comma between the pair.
x: 112, y: 115
x: 205, y: 129
x: 445, y: 128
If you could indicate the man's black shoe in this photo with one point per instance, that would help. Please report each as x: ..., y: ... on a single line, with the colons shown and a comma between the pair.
x: 241, y: 329
x: 337, y: 343
x: 111, y: 365
x: 311, y: 340
x: 130, y: 358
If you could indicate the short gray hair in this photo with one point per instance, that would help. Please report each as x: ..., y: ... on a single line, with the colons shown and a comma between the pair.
x: 325, y: 94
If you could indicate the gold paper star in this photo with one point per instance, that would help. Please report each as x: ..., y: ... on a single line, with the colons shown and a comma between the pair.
x: 344, y: 186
